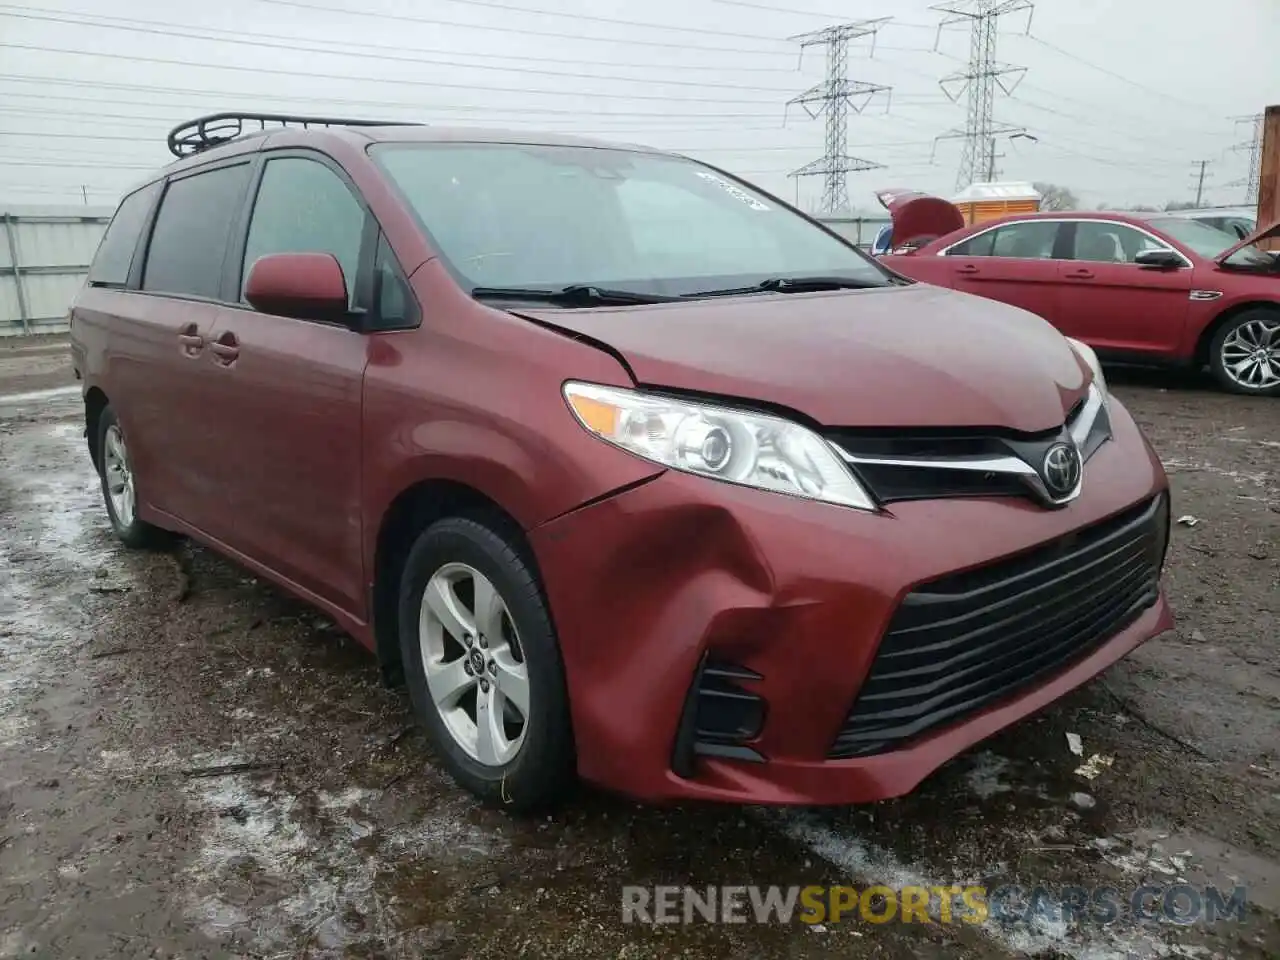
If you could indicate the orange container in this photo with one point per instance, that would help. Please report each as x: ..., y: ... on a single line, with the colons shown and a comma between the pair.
x: 988, y: 201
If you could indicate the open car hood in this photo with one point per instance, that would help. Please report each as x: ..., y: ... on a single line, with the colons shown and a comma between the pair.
x: 1269, y: 232
x: 918, y: 216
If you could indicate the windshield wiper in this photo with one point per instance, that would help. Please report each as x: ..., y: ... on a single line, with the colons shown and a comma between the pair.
x: 574, y: 295
x: 791, y: 285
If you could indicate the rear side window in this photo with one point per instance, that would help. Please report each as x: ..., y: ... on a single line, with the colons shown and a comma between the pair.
x: 304, y: 207
x: 111, y: 263
x: 1028, y: 240
x: 189, y: 241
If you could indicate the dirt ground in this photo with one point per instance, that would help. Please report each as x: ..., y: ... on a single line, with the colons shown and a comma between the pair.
x: 193, y: 765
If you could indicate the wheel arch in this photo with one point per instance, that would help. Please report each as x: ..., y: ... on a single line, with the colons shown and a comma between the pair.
x: 95, y: 401
x: 1223, y: 318
x: 409, y: 513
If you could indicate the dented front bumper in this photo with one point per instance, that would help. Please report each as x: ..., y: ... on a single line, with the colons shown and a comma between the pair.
x: 778, y: 607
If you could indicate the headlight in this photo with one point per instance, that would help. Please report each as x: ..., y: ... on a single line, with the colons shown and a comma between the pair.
x: 1085, y: 352
x: 736, y: 446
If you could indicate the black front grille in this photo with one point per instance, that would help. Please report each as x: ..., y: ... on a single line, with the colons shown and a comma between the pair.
x: 967, y: 640
x: 721, y: 715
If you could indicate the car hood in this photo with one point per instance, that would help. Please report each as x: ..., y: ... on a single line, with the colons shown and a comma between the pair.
x: 1268, y: 232
x: 914, y: 356
x: 919, y: 216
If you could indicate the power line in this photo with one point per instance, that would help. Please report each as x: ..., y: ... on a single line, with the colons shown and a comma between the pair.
x: 1154, y: 91
x: 417, y: 109
x: 774, y: 8
x: 405, y: 81
x: 979, y: 81
x: 149, y: 122
x: 1020, y: 97
x: 576, y: 17
x: 233, y: 36
x: 834, y: 99
x: 414, y: 57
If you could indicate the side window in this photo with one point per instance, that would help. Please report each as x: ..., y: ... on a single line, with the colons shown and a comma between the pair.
x: 1099, y: 241
x: 1029, y: 240
x: 396, y: 307
x: 979, y: 246
x: 189, y: 241
x: 304, y: 207
x: 114, y: 258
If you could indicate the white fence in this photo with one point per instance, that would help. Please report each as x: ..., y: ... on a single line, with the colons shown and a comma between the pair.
x: 860, y: 230
x: 44, y: 256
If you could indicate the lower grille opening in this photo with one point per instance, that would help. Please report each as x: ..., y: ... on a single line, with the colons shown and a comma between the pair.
x: 720, y: 716
x: 969, y: 640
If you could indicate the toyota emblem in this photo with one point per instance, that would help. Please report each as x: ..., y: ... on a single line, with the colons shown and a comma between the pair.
x: 1061, y: 469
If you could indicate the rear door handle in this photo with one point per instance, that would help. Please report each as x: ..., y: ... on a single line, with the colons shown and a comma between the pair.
x: 225, y: 349
x: 1079, y: 275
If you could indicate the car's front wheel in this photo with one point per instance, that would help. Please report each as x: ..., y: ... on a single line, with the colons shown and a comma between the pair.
x: 120, y: 487
x: 483, y: 666
x: 1245, y: 353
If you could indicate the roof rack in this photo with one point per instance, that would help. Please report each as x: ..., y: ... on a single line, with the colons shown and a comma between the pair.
x: 202, y: 133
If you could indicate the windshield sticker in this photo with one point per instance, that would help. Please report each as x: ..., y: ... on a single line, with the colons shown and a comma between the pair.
x: 733, y: 191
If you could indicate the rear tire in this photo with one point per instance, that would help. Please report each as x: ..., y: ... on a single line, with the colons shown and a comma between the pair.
x: 120, y: 488
x: 483, y: 666
x: 1244, y: 354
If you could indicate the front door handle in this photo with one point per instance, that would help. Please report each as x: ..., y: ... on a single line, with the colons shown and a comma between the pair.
x: 225, y: 349
x: 1079, y: 275
x: 192, y: 342
x: 967, y: 270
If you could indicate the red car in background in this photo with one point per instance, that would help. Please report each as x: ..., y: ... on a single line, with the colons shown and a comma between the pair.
x: 1150, y: 290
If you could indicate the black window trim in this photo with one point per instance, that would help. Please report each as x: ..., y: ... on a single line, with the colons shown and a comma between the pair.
x: 239, y: 159
x: 375, y: 325
x: 233, y: 266
x: 1057, y: 251
x: 365, y: 268
x: 1066, y: 230
x: 1073, y: 225
x: 139, y: 243
x: 238, y: 235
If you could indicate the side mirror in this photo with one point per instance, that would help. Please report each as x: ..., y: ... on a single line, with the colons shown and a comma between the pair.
x: 1163, y: 259
x: 305, y: 286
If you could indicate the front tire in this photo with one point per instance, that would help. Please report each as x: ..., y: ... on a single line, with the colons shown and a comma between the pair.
x: 120, y: 487
x: 1245, y: 354
x: 483, y: 666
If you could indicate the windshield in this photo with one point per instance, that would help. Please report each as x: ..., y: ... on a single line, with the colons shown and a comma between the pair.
x: 1210, y: 242
x: 546, y: 217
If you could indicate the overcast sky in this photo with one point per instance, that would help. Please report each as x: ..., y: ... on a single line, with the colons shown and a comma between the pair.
x: 1125, y: 97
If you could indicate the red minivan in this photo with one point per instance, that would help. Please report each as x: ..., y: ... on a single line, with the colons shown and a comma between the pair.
x: 629, y: 470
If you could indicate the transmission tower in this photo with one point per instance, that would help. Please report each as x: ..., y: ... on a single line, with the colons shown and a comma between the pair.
x: 1253, y: 148
x: 836, y: 97
x: 979, y: 81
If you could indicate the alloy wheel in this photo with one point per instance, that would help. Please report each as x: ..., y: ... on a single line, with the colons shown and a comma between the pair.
x: 474, y: 664
x: 119, y: 475
x: 1251, y: 354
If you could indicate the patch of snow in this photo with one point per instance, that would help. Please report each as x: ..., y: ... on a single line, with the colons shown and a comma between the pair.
x: 984, y: 777
x: 324, y: 855
x: 1044, y: 933
x: 36, y: 396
